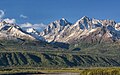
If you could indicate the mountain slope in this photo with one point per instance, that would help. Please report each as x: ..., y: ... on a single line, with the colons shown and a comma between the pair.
x: 11, y: 31
x: 54, y: 29
x: 85, y: 29
x: 91, y: 42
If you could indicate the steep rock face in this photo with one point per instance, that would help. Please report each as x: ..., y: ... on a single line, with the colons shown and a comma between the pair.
x: 85, y: 29
x: 54, y: 29
x: 9, y: 31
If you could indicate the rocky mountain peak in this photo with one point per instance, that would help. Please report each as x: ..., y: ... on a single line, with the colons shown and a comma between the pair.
x: 11, y: 31
x: 84, y: 23
x: 85, y: 18
x: 84, y: 29
x: 61, y: 22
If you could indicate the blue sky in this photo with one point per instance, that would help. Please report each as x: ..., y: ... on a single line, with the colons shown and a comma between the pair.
x: 46, y: 11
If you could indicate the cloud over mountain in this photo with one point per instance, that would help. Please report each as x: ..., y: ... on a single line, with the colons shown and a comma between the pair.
x: 7, y: 20
x: 23, y: 16
x: 1, y: 13
x: 38, y: 27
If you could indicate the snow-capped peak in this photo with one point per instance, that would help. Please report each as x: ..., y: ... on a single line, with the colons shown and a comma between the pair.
x: 61, y: 31
x: 63, y: 19
x: 84, y: 17
x: 9, y: 30
x: 31, y: 30
x: 35, y: 33
x: 61, y: 22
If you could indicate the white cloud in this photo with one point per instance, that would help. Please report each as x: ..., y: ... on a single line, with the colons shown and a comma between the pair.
x: 1, y: 13
x: 38, y: 27
x: 7, y: 20
x: 26, y: 25
x: 23, y: 16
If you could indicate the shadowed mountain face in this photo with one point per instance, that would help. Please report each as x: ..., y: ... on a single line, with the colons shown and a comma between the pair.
x: 85, y: 30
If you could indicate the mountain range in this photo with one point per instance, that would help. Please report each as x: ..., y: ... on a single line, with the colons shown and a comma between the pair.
x: 87, y: 42
x: 84, y: 30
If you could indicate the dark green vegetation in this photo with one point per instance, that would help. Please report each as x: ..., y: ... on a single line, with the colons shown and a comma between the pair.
x: 34, y: 56
x: 40, y: 54
x: 112, y: 48
x: 55, y: 60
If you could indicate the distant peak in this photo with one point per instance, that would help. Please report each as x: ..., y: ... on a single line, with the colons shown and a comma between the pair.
x: 85, y: 17
x: 62, y: 19
x: 62, y: 22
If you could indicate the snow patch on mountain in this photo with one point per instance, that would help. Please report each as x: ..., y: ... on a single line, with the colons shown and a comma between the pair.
x: 85, y: 28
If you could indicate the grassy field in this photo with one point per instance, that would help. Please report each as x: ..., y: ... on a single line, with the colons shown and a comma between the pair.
x: 81, y: 71
x: 101, y: 71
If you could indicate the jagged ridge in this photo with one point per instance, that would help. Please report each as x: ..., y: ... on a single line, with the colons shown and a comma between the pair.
x: 85, y: 29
